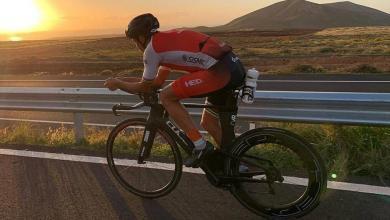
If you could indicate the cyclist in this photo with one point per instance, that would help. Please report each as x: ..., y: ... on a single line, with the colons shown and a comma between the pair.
x: 213, y: 71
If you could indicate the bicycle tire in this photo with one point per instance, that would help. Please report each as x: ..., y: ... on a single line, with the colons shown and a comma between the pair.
x: 269, y: 139
x: 127, y: 175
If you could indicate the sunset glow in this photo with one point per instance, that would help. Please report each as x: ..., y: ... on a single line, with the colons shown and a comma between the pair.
x: 19, y: 15
x: 15, y: 38
x: 24, y: 16
x: 45, y: 19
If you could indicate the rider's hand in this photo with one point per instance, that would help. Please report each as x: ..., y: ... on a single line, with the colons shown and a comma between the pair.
x: 111, y: 84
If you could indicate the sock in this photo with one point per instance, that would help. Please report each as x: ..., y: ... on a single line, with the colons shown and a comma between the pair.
x: 200, y: 144
x: 197, y: 139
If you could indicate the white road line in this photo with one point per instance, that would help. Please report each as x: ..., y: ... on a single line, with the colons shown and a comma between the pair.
x: 380, y: 190
x: 359, y: 188
x: 86, y: 159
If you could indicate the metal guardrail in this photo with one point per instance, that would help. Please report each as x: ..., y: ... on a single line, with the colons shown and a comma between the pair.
x: 312, y: 107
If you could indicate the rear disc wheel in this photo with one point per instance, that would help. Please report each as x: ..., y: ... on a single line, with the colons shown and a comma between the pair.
x: 291, y: 175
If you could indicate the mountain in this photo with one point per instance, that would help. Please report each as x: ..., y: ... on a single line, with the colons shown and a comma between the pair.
x: 301, y: 14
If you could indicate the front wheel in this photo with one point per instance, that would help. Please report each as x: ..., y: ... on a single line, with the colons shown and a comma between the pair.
x: 159, y: 170
x: 279, y: 174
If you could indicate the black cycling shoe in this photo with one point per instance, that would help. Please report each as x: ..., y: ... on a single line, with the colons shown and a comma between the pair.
x: 197, y: 156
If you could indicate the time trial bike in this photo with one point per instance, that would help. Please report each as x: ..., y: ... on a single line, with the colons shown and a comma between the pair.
x: 271, y: 171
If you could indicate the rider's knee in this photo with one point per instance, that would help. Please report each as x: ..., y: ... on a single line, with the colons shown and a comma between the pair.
x: 164, y: 97
x: 167, y: 97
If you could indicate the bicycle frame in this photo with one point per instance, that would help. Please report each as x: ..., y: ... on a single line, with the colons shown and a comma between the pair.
x: 158, y: 117
x: 223, y: 166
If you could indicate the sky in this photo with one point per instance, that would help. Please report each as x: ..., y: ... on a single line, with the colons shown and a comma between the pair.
x: 54, y: 18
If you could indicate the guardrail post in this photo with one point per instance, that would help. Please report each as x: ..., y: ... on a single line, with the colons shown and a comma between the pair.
x: 78, y: 126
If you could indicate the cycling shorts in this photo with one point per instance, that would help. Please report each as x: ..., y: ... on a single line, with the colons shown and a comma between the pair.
x: 213, y: 83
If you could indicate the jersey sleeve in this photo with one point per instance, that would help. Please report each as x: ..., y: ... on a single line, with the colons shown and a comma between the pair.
x: 151, y: 63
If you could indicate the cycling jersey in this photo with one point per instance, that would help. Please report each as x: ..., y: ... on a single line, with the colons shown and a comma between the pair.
x: 212, y: 67
x: 182, y: 50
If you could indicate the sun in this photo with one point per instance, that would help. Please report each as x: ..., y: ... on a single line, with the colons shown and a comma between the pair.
x: 15, y: 38
x: 19, y: 16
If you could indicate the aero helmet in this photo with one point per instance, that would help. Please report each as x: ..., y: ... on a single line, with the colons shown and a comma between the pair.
x: 142, y: 25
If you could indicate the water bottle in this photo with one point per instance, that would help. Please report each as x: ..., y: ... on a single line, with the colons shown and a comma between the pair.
x: 250, y: 86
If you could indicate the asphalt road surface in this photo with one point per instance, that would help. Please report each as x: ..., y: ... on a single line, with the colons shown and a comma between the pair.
x: 35, y: 188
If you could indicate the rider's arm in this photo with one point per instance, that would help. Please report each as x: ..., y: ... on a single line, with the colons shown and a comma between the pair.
x: 137, y: 87
x: 162, y: 75
x: 160, y: 79
x: 151, y: 65
x: 144, y: 85
x: 129, y: 79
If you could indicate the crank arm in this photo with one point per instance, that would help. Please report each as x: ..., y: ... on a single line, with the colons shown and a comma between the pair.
x: 228, y: 179
x: 252, y: 174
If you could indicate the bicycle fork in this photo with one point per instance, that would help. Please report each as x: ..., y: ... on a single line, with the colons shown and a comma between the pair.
x: 146, y: 144
x: 158, y: 118
x: 149, y: 134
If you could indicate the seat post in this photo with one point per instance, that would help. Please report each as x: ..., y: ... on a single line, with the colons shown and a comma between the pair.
x: 227, y: 117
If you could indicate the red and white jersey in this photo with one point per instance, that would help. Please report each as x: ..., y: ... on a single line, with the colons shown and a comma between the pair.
x: 181, y: 50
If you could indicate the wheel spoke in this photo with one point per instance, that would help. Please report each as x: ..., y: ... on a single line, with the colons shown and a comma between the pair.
x: 161, y: 171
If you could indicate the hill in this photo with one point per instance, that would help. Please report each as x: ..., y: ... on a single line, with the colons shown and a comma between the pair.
x: 301, y: 14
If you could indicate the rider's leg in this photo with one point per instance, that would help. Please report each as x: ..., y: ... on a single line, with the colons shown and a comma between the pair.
x: 184, y: 121
x: 210, y: 122
x: 196, y: 84
x: 180, y: 115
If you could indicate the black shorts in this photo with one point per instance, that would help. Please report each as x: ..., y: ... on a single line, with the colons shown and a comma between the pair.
x: 237, y: 78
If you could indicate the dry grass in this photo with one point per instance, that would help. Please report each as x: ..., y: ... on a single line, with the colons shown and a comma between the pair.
x: 384, y: 30
x: 334, y: 50
x: 347, y: 150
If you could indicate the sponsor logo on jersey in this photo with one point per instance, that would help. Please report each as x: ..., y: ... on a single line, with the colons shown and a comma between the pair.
x: 193, y: 82
x: 190, y: 59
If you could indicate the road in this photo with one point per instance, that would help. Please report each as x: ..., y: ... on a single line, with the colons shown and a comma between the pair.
x: 299, y: 82
x: 36, y: 188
